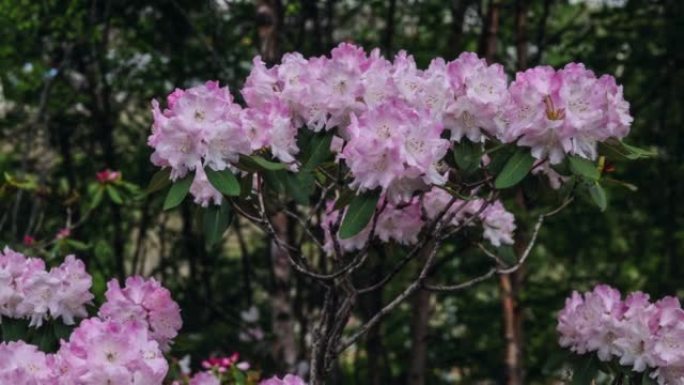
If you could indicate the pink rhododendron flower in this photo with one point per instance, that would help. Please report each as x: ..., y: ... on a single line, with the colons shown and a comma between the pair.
x: 635, y: 332
x: 479, y: 91
x: 563, y: 112
x: 204, y: 378
x: 289, y: 379
x: 202, y: 190
x: 270, y: 125
x: 391, y: 142
x: 497, y: 223
x: 111, y: 352
x: 201, y: 127
x: 330, y: 222
x: 28, y: 290
x: 146, y: 301
x: 400, y: 223
x: 73, y: 290
x: 23, y: 364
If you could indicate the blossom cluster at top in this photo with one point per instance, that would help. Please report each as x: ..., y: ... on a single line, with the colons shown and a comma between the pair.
x: 391, y: 119
x: 403, y: 222
x: 123, y: 345
x: 635, y: 331
x: 29, y: 291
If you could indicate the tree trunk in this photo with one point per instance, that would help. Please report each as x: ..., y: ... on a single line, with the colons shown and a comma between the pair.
x: 283, y: 320
x: 269, y: 20
x: 509, y: 284
x: 458, y: 9
x: 512, y: 323
x: 488, y: 39
x: 419, y: 337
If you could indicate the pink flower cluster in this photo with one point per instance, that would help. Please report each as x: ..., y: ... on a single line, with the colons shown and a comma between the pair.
x: 389, y: 116
x: 200, y: 127
x: 29, y: 291
x: 563, y: 112
x: 289, y: 379
x: 635, y: 331
x: 147, y: 301
x: 110, y: 352
x: 403, y: 222
x: 498, y: 225
x: 121, y: 348
x: 98, y: 352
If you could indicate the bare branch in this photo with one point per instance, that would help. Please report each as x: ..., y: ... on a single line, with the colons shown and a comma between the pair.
x: 460, y: 286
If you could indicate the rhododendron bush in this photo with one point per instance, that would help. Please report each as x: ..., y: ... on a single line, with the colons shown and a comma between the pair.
x: 360, y: 152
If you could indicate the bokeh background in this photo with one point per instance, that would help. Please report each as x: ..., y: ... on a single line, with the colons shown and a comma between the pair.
x: 76, y: 80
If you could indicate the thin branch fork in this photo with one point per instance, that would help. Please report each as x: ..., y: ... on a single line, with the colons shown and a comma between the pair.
x: 499, y: 270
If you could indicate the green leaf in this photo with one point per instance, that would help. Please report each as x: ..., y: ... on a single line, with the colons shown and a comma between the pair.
x: 62, y: 331
x: 239, y: 377
x: 255, y: 162
x: 598, y: 195
x: 78, y: 245
x: 319, y: 151
x: 215, y: 221
x: 554, y: 361
x: 516, y: 168
x: 638, y: 153
x: 499, y: 159
x: 584, y: 371
x: 97, y: 197
x: 359, y: 213
x: 14, y: 330
x: 584, y: 168
x: 45, y: 339
x: 246, y: 183
x: 276, y: 180
x: 159, y: 180
x: 507, y: 255
x: 646, y: 379
x: 345, y: 198
x: 468, y: 155
x: 224, y: 181
x: 619, y: 150
x: 178, y: 192
x: 300, y: 186
x: 114, y: 195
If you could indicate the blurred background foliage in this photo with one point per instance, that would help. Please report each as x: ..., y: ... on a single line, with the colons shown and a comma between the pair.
x: 76, y: 80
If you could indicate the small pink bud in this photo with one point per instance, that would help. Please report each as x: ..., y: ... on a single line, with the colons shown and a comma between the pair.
x: 28, y: 240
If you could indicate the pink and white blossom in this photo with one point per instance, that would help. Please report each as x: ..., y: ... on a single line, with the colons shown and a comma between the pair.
x: 146, y: 301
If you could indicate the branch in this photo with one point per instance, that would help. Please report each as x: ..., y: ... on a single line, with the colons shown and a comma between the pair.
x: 395, y: 302
x: 499, y: 261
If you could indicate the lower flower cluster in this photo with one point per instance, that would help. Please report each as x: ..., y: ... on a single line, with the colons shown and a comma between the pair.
x: 635, y: 332
x: 123, y: 345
